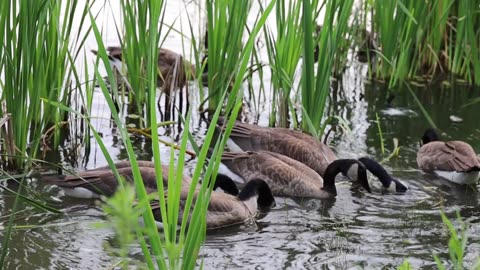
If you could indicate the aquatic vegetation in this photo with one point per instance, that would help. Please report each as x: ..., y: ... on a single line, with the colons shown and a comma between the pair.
x: 226, y: 24
x: 426, y: 38
x: 316, y: 84
x: 284, y: 53
x: 179, y: 248
x: 37, y: 58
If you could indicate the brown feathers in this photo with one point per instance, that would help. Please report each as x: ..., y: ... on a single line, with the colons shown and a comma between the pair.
x: 294, y: 144
x: 448, y: 156
x: 102, y: 180
x: 284, y: 176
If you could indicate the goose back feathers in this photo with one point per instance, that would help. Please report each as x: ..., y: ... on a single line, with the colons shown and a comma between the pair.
x: 173, y: 69
x: 291, y: 143
x: 101, y: 181
x: 286, y: 176
x: 454, y: 160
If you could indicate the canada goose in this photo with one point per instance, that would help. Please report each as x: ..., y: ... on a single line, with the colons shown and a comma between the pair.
x: 376, y: 169
x: 455, y: 161
x: 101, y: 181
x: 174, y: 71
x: 288, y: 177
x: 225, y: 209
x: 294, y: 144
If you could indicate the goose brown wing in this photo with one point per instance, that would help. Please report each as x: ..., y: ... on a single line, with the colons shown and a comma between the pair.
x: 304, y: 170
x: 280, y: 175
x: 104, y: 181
x: 317, y: 157
x: 96, y: 181
x: 291, y: 143
x: 248, y: 165
x: 126, y: 163
x: 447, y: 156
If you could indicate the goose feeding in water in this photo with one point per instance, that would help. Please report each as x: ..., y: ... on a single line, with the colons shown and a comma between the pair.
x: 288, y: 177
x: 455, y: 161
x: 173, y: 72
x: 225, y: 209
x: 102, y: 181
x: 388, y: 182
x: 291, y: 143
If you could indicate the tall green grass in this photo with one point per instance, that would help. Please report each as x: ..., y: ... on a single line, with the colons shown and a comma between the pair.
x: 316, y: 80
x: 284, y: 48
x: 39, y: 47
x: 137, y: 37
x: 427, y: 38
x: 226, y: 24
x: 172, y: 248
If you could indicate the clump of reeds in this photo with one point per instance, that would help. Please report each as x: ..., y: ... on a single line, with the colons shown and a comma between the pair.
x: 226, y: 24
x: 426, y: 38
x: 316, y: 82
x: 284, y: 48
x: 36, y: 62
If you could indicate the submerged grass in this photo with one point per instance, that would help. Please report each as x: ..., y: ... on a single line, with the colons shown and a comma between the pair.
x: 457, y: 245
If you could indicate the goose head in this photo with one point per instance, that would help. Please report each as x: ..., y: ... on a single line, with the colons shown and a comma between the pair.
x: 376, y: 169
x: 259, y: 189
x: 430, y: 136
x: 343, y: 166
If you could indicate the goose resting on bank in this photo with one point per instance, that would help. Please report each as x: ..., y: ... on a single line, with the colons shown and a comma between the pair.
x: 226, y: 209
x: 455, y: 161
x: 288, y: 177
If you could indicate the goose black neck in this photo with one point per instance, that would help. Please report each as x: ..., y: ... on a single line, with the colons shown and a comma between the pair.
x: 376, y: 169
x: 334, y: 168
x: 226, y: 183
x: 257, y: 187
x: 430, y: 136
x: 343, y: 165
